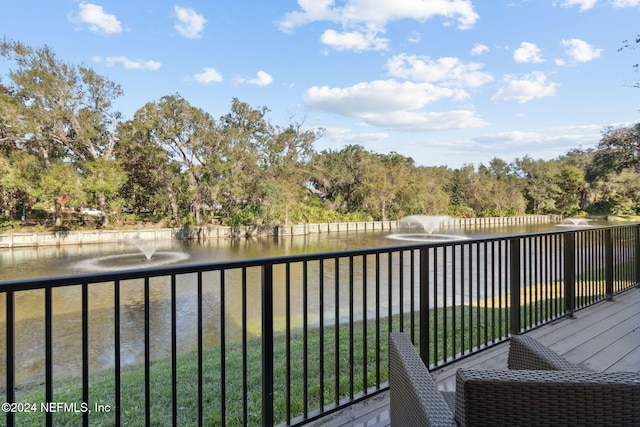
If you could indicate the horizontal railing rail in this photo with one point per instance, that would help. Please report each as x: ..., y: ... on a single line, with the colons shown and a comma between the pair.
x: 284, y: 340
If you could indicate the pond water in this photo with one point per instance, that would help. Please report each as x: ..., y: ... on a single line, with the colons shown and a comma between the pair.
x: 50, y: 261
x: 23, y: 263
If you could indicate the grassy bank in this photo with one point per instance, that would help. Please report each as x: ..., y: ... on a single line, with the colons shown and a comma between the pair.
x: 320, y: 362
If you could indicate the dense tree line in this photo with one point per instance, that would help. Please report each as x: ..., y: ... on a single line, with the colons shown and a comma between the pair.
x: 63, y: 146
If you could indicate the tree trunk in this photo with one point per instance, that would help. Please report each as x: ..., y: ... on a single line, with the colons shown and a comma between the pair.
x: 57, y: 215
x: 196, y: 211
x: 102, y: 203
x: 173, y: 205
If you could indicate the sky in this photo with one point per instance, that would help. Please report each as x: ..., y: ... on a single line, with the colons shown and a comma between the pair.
x: 448, y: 83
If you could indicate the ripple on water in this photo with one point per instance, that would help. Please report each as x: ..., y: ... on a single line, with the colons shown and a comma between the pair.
x: 130, y: 261
x: 429, y: 238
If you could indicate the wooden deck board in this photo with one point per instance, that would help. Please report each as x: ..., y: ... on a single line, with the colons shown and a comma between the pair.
x: 621, y: 355
x: 565, y: 332
x: 588, y: 351
x: 605, y: 326
x: 603, y: 337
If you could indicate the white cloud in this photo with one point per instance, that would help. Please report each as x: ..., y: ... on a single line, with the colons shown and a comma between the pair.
x: 392, y: 104
x: 479, y: 49
x: 97, y: 19
x: 262, y: 79
x: 426, y: 120
x: 127, y: 63
x: 581, y: 51
x: 373, y: 15
x: 528, y: 53
x: 583, y: 4
x: 449, y: 71
x: 376, y: 96
x: 531, y: 87
x: 626, y: 3
x: 209, y: 75
x: 312, y: 10
x: 348, y: 136
x: 577, y: 129
x: 354, y: 40
x: 414, y: 37
x: 512, y: 138
x: 190, y: 23
x: 549, y: 143
x: 379, y: 12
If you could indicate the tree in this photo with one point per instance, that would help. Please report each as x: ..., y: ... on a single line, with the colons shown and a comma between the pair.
x: 11, y: 119
x: 191, y: 138
x: 245, y: 134
x: 68, y: 110
x: 339, y: 175
x: 631, y: 44
x: 386, y: 178
x: 491, y: 195
x: 59, y: 183
x: 286, y: 165
x: 499, y: 168
x: 154, y: 182
x: 8, y: 186
x: 618, y: 149
x: 102, y: 178
x: 457, y: 186
x: 582, y: 160
x: 427, y: 192
x: 570, y: 181
x: 540, y: 186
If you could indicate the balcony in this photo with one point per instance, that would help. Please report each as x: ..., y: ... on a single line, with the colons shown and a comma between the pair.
x: 604, y: 337
x: 298, y: 340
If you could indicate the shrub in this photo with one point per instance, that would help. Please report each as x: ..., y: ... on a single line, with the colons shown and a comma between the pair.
x: 610, y: 206
x: 7, y: 223
x: 460, y: 211
x: 498, y: 212
x: 242, y: 216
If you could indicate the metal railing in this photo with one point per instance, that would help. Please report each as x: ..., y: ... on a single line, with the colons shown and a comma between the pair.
x: 284, y: 340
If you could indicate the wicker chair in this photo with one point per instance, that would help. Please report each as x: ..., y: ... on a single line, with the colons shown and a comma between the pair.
x: 527, y: 353
x: 569, y: 396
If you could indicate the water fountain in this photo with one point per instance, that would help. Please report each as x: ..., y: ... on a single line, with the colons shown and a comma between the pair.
x: 420, y: 228
x: 574, y: 222
x: 147, y: 256
x: 148, y: 248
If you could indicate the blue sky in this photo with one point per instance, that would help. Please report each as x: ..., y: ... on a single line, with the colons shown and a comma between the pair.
x: 446, y: 82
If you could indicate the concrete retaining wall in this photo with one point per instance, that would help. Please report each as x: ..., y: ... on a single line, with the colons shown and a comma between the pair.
x: 15, y: 240
x: 500, y: 221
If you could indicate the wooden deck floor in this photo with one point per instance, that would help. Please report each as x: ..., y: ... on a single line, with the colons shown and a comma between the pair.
x: 602, y: 338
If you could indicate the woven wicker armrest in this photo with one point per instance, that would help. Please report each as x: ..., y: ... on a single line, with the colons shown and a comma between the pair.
x: 414, y: 399
x: 558, y: 398
x: 527, y: 353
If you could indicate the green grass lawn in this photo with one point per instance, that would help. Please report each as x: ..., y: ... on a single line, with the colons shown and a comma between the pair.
x: 102, y: 383
x: 480, y: 324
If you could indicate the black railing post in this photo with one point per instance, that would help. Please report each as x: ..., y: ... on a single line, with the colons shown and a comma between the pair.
x: 267, y: 345
x: 608, y: 263
x: 514, y: 286
x: 424, y: 304
x: 48, y: 339
x: 569, y: 273
x: 11, y: 353
x: 636, y: 254
x: 85, y: 350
